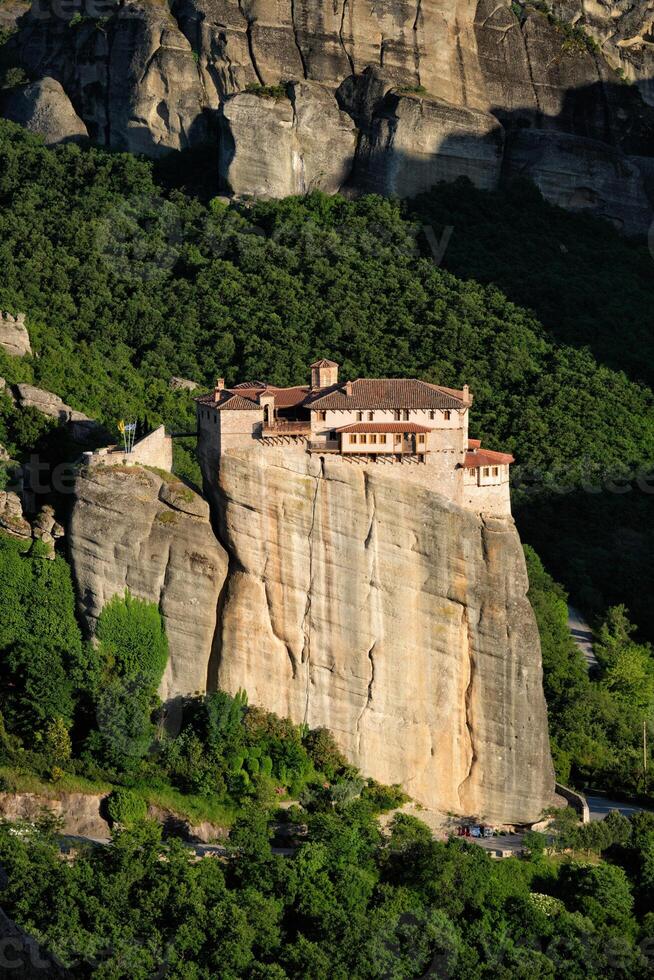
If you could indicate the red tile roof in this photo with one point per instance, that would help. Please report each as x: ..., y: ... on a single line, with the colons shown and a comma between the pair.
x: 386, y: 393
x: 474, y: 443
x: 380, y: 393
x: 324, y: 362
x: 246, y: 396
x: 384, y: 427
x: 288, y: 397
x: 486, y: 457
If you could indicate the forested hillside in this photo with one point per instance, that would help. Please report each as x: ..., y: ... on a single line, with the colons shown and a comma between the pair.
x: 126, y: 284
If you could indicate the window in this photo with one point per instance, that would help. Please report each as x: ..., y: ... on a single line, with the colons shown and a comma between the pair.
x: 371, y: 416
x: 322, y: 416
x: 359, y: 416
x: 362, y: 439
x: 495, y: 471
x: 398, y: 439
x: 447, y: 415
x: 382, y: 438
x: 421, y: 437
x: 432, y: 414
x: 353, y: 439
x: 373, y: 438
x: 405, y: 414
x: 396, y: 415
x: 486, y: 471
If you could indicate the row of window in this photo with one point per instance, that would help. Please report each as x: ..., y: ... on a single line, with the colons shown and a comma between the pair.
x: 372, y: 437
x: 486, y: 470
x: 400, y: 415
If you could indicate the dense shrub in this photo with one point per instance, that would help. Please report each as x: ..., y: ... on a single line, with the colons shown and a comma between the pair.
x: 125, y: 807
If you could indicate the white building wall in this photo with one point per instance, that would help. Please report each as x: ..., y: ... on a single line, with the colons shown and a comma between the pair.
x: 337, y: 419
x: 487, y: 493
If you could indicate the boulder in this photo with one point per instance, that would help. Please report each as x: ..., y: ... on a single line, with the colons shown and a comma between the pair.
x: 82, y: 429
x: 182, y: 384
x: 14, y: 338
x: 273, y: 146
x: 44, y: 108
x: 46, y: 529
x: 11, y: 516
x: 29, y: 396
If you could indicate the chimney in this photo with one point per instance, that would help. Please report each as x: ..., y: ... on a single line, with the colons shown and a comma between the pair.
x: 348, y: 389
x: 466, y: 393
x: 220, y: 386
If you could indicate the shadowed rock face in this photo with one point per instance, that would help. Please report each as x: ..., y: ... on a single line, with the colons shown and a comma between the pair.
x: 345, y: 599
x: 44, y: 108
x: 148, y: 79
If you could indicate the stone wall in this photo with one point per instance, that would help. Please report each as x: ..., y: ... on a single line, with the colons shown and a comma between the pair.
x: 155, y: 449
x: 487, y: 494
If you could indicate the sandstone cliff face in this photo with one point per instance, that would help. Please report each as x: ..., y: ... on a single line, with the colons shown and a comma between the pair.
x: 346, y: 599
x: 273, y: 147
x: 390, y: 616
x: 133, y: 529
x: 148, y: 79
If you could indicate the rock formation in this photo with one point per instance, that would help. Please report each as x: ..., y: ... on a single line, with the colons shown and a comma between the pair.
x: 344, y: 599
x: 286, y: 144
x: 14, y: 338
x: 82, y: 429
x: 624, y: 30
x: 182, y: 384
x: 11, y: 516
x: 133, y: 529
x: 44, y: 528
x: 476, y: 87
x: 44, y: 108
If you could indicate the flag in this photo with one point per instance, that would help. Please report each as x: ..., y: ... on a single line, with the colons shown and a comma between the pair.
x: 121, y: 427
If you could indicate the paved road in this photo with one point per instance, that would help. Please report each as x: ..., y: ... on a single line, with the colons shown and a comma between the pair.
x: 509, y: 844
x: 582, y: 635
x: 599, y: 806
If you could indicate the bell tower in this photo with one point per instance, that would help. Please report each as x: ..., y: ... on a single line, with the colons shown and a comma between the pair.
x: 324, y: 373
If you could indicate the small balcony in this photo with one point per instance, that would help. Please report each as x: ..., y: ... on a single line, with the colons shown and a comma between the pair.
x: 324, y: 446
x: 298, y: 428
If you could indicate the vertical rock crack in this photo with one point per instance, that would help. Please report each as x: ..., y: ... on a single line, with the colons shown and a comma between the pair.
x: 468, y: 705
x: 248, y: 36
x: 297, y: 41
x: 341, y: 37
x: 306, y: 621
